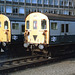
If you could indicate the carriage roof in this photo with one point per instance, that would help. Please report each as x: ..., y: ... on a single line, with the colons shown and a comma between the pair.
x: 60, y: 17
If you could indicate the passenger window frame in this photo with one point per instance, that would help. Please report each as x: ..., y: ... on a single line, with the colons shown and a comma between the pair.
x: 45, y: 24
x: 35, y: 25
x: 6, y: 25
x: 54, y: 26
x: 15, y: 26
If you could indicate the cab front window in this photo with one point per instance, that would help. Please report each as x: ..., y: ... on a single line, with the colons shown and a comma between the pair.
x: 43, y: 24
x: 27, y: 25
x: 6, y: 25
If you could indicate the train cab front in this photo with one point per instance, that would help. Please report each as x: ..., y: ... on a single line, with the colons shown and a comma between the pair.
x: 36, y: 31
x: 5, y: 31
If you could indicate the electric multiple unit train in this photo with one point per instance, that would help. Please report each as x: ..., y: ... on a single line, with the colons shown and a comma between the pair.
x: 50, y: 33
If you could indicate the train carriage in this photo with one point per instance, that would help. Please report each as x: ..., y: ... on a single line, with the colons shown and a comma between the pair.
x: 11, y: 33
x: 5, y: 30
x: 50, y: 33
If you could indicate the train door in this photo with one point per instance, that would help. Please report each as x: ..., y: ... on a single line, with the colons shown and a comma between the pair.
x: 64, y: 31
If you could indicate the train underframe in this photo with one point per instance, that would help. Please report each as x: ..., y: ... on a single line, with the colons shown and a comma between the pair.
x: 12, y: 49
x: 52, y: 50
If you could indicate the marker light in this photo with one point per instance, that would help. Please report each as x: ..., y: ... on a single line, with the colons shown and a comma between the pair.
x: 26, y: 45
x: 4, y: 44
x: 41, y: 46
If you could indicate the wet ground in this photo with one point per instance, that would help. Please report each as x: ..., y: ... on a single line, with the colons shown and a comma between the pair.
x: 65, y: 67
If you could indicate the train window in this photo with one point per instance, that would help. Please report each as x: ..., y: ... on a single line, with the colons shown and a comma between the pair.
x: 27, y: 25
x: 54, y: 26
x: 62, y: 28
x: 43, y: 24
x: 6, y: 25
x: 15, y: 26
x: 0, y: 24
x: 34, y: 24
x: 67, y: 27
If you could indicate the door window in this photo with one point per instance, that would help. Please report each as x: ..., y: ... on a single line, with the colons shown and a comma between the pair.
x: 6, y: 25
x: 67, y: 28
x: 43, y: 24
x: 62, y: 28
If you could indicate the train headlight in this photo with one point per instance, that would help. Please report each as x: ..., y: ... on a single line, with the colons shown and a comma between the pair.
x: 41, y: 46
x: 26, y: 45
x: 4, y: 44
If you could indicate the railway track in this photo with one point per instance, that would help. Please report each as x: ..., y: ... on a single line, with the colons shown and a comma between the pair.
x: 26, y: 62
x: 19, y: 63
